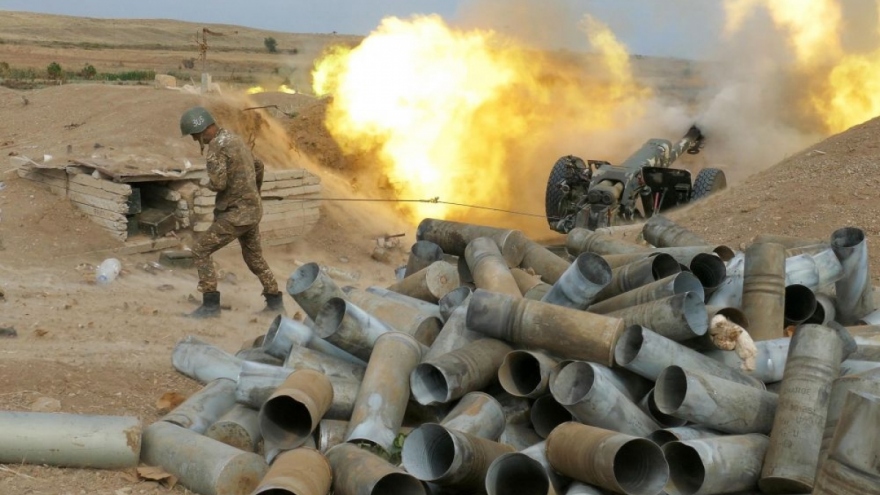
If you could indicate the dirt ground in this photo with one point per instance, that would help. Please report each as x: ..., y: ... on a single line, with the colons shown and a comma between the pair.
x: 88, y: 349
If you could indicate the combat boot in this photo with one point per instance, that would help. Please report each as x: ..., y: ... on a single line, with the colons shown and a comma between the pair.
x: 210, y: 307
x: 274, y: 303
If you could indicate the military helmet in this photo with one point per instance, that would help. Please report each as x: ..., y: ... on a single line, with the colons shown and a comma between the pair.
x: 195, y: 120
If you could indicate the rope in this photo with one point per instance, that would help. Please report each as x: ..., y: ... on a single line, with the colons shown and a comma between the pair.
x: 435, y: 200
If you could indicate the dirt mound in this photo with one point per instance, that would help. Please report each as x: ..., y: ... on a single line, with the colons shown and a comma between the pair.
x: 829, y: 185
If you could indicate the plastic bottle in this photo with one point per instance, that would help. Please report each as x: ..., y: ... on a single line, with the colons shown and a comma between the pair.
x: 107, y: 270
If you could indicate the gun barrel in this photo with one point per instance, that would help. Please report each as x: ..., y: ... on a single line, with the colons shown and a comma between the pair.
x: 692, y: 142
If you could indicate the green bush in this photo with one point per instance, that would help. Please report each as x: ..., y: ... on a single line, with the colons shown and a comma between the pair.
x: 54, y: 71
x: 271, y: 44
x: 88, y: 72
x: 132, y: 75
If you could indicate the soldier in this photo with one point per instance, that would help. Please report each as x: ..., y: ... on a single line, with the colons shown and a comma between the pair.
x: 236, y: 177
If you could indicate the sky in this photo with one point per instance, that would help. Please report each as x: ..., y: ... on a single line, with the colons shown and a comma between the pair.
x: 678, y: 28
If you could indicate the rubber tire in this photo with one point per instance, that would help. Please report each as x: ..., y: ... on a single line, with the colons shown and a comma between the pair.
x: 708, y: 181
x: 553, y: 195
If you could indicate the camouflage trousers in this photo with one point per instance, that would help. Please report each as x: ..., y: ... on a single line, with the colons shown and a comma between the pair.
x: 221, y: 233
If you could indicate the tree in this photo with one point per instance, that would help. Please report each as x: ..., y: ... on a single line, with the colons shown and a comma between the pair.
x: 88, y: 72
x: 271, y: 44
x: 54, y: 71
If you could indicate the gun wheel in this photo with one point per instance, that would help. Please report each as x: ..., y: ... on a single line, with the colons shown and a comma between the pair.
x: 554, y: 194
x: 708, y: 181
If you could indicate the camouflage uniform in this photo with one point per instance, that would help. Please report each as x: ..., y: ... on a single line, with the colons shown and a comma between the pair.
x: 236, y: 177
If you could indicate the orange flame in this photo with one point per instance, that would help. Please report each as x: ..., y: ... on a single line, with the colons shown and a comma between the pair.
x: 842, y: 89
x: 462, y: 115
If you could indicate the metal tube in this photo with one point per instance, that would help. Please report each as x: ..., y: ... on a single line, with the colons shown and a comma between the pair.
x: 710, y: 270
x: 518, y: 473
x: 769, y: 362
x: 707, y: 342
x: 239, y: 428
x: 478, y: 414
x: 662, y: 232
x: 713, y: 466
x: 383, y: 395
x: 430, y: 283
x: 868, y: 382
x: 204, y: 362
x: 867, y: 339
x: 453, y: 238
x: 330, y: 433
x: 202, y: 464
x: 547, y: 413
x: 311, y: 288
x: 851, y: 467
x: 402, y: 317
x: 618, y: 260
x: 854, y: 367
x: 763, y: 296
x: 455, y: 298
x: 302, y: 471
x: 824, y: 312
x: 685, y: 255
x: 284, y: 333
x: 854, y: 291
x: 257, y: 382
x: 800, y: 304
x: 451, y: 375
x: 565, y: 332
x: 349, y: 327
x: 538, y: 452
x: 581, y: 283
x: 578, y: 488
x: 292, y: 412
x: 614, y: 461
x: 69, y: 440
x: 529, y: 285
x: 519, y: 436
x: 679, y: 317
x: 448, y: 457
x: 303, y: 358
x: 526, y: 373
x: 665, y: 287
x: 729, y: 293
x: 454, y: 334
x: 258, y: 355
x: 828, y: 267
x: 488, y: 267
x: 543, y: 262
x: 427, y: 307
x: 421, y: 255
x: 666, y: 435
x: 810, y: 249
x: 638, y: 274
x: 592, y: 398
x: 801, y: 269
x: 359, y: 472
x: 787, y: 241
x: 586, y: 241
x: 649, y: 407
x: 204, y: 407
x: 813, y: 363
x: 714, y: 402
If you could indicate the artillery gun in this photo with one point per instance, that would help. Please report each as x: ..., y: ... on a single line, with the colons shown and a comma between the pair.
x: 593, y: 194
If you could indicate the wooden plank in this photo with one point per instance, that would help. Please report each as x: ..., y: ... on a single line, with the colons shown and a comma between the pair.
x: 48, y: 187
x: 287, y: 222
x: 98, y: 212
x: 42, y: 176
x: 277, y: 217
x: 88, y: 180
x: 104, y: 204
x: 110, y: 224
x: 282, y: 184
x: 292, y: 192
x: 95, y: 192
x: 311, y: 180
x: 281, y: 206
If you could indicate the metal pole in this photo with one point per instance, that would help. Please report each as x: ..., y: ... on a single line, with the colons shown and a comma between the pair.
x: 69, y: 440
x: 581, y: 283
x: 400, y: 316
x: 666, y: 435
x: 526, y: 373
x: 586, y: 241
x: 430, y: 283
x: 311, y: 288
x: 854, y: 291
x: 813, y: 363
x: 454, y: 334
x: 547, y: 413
x: 290, y: 415
x: 344, y: 324
x: 662, y: 232
x: 638, y: 274
x: 763, y: 294
x: 478, y: 414
x: 489, y: 268
x: 453, y: 238
x: 712, y: 466
x: 204, y: 362
x: 359, y: 472
x: 421, y: 255
x: 381, y: 401
x: 455, y: 298
x: 284, y: 333
x: 543, y: 262
x: 302, y: 471
x: 679, y: 317
x: 452, y: 375
x: 614, y: 461
x: 204, y: 407
x: 566, y: 332
x: 665, y: 287
x: 202, y: 464
x: 239, y: 428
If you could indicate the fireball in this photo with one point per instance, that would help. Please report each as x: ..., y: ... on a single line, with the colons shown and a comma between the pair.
x: 461, y: 114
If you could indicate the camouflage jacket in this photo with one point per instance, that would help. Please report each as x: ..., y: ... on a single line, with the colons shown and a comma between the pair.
x: 232, y: 172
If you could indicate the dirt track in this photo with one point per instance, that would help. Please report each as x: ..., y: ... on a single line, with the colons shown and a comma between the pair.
x: 106, y: 350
